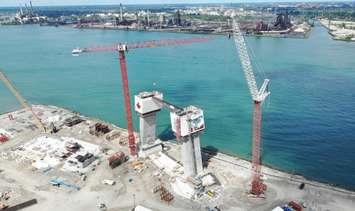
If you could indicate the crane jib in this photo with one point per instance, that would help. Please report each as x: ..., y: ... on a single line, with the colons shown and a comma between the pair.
x: 147, y: 44
x: 256, y: 94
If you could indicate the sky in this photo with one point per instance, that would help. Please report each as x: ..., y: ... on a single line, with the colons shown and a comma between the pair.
x: 5, y: 3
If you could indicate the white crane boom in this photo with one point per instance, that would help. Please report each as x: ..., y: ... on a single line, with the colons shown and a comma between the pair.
x: 247, y: 66
x: 22, y: 101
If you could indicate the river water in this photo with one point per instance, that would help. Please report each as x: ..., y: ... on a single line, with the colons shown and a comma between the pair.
x: 308, y: 122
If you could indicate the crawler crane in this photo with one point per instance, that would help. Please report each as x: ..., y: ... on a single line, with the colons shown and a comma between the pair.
x: 258, y: 97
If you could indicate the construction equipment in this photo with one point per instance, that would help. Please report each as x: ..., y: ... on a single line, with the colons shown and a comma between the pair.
x: 3, y: 138
x: 258, y: 96
x: 59, y: 182
x: 22, y: 101
x: 165, y: 194
x: 117, y: 159
x: 122, y: 49
x: 99, y: 129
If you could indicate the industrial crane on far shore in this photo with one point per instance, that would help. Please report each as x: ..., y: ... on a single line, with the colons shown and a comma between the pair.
x: 258, y: 96
x: 22, y: 101
x: 122, y: 49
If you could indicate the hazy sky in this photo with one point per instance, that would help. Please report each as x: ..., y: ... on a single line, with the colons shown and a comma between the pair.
x: 90, y: 2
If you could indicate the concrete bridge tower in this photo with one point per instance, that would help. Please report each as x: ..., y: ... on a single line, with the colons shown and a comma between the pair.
x: 147, y: 108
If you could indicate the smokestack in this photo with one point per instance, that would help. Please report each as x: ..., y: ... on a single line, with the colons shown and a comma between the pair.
x: 121, y: 12
x: 27, y: 11
x: 21, y: 11
x: 31, y: 7
x: 148, y: 18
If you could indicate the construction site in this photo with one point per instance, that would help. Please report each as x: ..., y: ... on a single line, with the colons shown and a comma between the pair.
x: 53, y: 158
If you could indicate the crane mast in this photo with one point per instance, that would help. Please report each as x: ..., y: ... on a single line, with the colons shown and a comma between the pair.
x: 258, y: 96
x: 127, y: 99
x: 22, y: 101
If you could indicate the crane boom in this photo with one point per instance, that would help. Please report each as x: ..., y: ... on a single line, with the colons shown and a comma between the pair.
x: 146, y: 44
x: 247, y: 66
x: 258, y: 96
x: 22, y: 101
x: 245, y: 60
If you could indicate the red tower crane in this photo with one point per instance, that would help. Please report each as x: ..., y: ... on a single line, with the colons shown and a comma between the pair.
x: 122, y: 49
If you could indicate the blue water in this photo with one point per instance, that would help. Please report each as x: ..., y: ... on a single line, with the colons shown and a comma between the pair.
x: 309, y: 120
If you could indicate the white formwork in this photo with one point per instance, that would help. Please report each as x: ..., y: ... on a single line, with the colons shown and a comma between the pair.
x: 46, y: 152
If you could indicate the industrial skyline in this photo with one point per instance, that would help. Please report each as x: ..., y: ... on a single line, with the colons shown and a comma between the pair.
x: 8, y: 3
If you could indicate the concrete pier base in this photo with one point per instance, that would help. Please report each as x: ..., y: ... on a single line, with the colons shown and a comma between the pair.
x: 197, y: 153
x: 188, y: 158
x: 147, y: 129
x: 191, y: 156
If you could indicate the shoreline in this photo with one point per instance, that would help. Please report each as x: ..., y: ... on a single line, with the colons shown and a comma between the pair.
x: 273, y: 171
x: 182, y: 31
x: 232, y: 158
x: 333, y: 35
x: 189, y: 31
